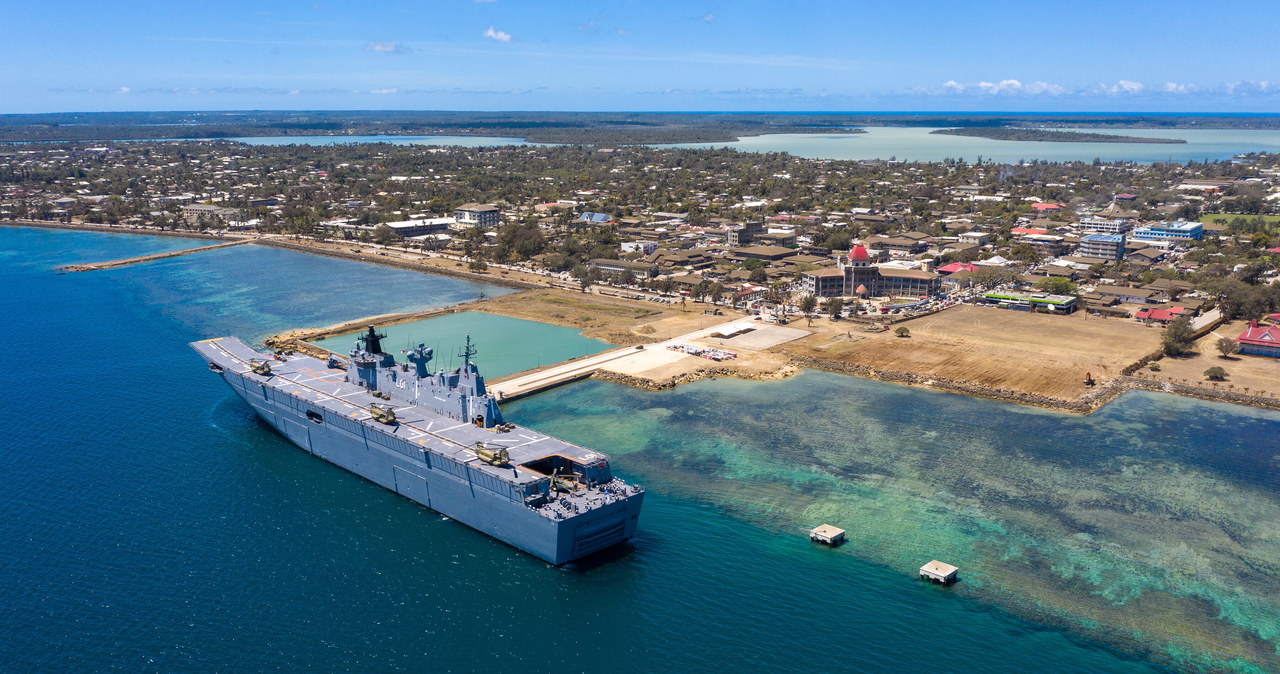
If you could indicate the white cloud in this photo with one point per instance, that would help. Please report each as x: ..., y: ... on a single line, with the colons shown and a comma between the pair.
x: 388, y: 47
x: 708, y: 17
x: 1009, y: 87
x: 390, y: 90
x: 1123, y: 87
x: 499, y: 35
x: 123, y: 90
x: 1250, y: 87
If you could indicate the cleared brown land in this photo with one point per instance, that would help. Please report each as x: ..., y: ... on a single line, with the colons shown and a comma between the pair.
x: 1034, y: 353
x: 610, y: 319
x: 1246, y: 374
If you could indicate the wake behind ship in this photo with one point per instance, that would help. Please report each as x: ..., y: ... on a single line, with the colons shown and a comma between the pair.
x: 437, y: 438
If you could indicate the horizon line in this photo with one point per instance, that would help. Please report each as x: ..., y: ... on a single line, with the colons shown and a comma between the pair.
x: 969, y: 113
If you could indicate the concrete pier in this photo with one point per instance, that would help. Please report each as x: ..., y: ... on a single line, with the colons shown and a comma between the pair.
x: 112, y: 264
x: 630, y: 360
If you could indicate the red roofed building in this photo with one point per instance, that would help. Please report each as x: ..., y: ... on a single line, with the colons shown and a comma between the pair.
x: 1042, y: 207
x: 1161, y: 316
x: 1260, y: 340
x: 854, y: 274
x: 1028, y: 231
x: 957, y: 266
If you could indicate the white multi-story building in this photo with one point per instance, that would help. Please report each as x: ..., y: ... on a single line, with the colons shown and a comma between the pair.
x: 477, y: 215
x: 1105, y: 246
x: 1105, y: 225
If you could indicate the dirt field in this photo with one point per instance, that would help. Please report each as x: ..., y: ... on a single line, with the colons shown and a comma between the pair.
x: 1034, y: 353
x: 1245, y: 374
x: 610, y: 319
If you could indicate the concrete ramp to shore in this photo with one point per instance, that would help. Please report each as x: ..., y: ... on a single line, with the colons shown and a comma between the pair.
x: 112, y: 264
x: 652, y: 361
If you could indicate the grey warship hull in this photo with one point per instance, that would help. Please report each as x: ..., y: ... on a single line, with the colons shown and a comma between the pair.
x: 554, y: 500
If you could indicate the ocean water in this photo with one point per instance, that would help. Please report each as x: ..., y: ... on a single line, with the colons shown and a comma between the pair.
x: 1153, y: 524
x: 504, y: 345
x: 150, y: 522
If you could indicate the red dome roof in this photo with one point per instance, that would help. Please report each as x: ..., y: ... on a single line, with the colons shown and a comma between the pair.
x: 859, y: 254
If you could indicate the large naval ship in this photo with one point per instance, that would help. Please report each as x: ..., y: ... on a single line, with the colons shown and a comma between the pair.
x: 437, y: 438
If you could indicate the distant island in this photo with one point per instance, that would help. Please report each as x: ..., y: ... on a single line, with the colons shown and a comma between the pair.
x: 590, y: 128
x: 1047, y: 135
x: 568, y: 128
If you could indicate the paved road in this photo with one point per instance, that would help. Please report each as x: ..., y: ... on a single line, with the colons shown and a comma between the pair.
x: 1204, y: 319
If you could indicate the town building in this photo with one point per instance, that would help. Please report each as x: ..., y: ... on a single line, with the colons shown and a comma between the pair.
x: 1164, y: 231
x: 639, y: 269
x: 1260, y: 340
x: 1049, y: 245
x: 1107, y: 246
x: 1062, y: 304
x: 643, y: 247
x: 478, y: 215
x: 741, y: 235
x: 1105, y: 225
x: 405, y: 229
x: 855, y: 275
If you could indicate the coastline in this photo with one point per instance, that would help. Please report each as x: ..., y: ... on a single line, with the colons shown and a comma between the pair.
x: 1127, y: 379
x: 118, y: 229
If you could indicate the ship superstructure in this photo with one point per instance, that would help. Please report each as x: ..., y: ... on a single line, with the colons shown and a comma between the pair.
x: 438, y: 438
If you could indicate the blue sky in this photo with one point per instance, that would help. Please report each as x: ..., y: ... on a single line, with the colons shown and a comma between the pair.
x: 1173, y: 56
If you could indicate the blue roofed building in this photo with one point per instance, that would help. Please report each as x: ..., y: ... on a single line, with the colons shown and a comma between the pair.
x: 590, y: 218
x: 1165, y: 231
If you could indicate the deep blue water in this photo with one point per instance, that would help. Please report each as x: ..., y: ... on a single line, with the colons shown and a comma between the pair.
x: 150, y: 522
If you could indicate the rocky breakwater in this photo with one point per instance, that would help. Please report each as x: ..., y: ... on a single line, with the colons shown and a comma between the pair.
x: 710, y: 372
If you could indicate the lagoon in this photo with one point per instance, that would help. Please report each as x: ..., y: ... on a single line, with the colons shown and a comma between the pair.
x: 913, y: 144
x: 504, y: 345
x: 918, y: 144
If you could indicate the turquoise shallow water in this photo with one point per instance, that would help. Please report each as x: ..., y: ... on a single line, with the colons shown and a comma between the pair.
x: 504, y: 345
x: 915, y: 144
x: 151, y: 522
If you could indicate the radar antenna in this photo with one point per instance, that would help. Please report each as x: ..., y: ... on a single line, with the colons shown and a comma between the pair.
x: 467, y: 352
x: 373, y: 340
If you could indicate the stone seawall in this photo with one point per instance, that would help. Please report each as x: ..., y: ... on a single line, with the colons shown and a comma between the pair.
x: 1084, y: 404
x: 399, y: 264
x: 687, y: 377
x: 109, y: 229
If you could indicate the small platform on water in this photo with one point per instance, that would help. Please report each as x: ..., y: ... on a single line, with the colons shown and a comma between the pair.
x: 827, y: 535
x: 939, y: 572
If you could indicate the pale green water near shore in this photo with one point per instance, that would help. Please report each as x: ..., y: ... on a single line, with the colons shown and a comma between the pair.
x: 505, y: 345
x: 912, y: 144
x: 1153, y: 524
x: 918, y: 144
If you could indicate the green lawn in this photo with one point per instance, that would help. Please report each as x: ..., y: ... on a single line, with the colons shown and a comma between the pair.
x: 1224, y: 218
